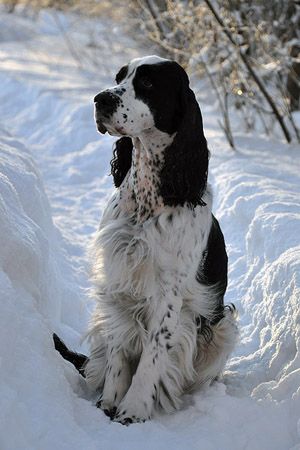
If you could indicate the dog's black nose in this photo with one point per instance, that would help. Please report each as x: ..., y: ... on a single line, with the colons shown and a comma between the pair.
x: 106, y: 103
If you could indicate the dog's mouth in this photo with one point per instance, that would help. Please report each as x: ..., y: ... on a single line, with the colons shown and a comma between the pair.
x: 113, y: 131
x: 101, y: 127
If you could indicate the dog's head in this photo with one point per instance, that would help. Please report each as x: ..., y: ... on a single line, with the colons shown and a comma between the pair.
x: 147, y: 95
x: 154, y: 93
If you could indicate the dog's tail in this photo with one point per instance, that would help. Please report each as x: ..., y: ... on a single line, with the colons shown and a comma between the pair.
x: 77, y: 359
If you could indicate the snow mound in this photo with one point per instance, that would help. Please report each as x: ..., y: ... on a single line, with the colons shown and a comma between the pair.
x: 260, y: 212
x: 32, y: 293
x: 25, y: 221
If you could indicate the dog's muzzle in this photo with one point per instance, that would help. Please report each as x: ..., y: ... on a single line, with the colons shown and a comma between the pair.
x: 106, y: 103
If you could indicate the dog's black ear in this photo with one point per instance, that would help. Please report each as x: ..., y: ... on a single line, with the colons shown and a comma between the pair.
x: 121, y: 160
x: 184, y: 173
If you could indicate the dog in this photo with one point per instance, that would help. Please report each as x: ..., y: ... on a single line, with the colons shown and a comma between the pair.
x: 160, y: 327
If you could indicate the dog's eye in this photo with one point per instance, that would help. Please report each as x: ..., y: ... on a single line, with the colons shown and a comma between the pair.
x: 146, y: 82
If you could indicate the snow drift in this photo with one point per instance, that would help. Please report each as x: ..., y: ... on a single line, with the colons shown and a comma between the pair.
x: 33, y: 285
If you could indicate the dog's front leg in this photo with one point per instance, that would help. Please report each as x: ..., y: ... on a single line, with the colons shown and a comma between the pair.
x: 156, y: 376
x: 117, y: 380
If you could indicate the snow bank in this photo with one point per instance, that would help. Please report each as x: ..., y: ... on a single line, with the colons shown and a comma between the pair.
x: 259, y: 191
x: 46, y: 106
x: 33, y: 289
x: 25, y: 221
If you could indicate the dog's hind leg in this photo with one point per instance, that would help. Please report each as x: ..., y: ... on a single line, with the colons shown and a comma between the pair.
x: 215, y: 347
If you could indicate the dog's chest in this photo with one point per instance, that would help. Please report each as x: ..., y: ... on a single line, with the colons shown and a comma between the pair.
x: 139, y: 193
x: 136, y: 259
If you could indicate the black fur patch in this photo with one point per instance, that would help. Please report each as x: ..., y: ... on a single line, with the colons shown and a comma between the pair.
x: 77, y: 359
x: 173, y: 105
x: 121, y: 74
x: 212, y: 270
x: 121, y: 161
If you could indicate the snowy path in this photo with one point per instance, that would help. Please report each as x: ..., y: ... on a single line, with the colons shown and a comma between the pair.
x: 46, y: 122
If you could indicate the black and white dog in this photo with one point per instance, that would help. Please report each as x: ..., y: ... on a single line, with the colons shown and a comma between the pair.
x: 160, y: 327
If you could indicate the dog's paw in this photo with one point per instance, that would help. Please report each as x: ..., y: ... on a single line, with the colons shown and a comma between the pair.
x: 107, y: 407
x: 125, y: 418
x: 133, y: 411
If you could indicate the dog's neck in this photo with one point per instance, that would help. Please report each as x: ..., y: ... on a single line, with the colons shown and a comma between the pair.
x: 144, y: 179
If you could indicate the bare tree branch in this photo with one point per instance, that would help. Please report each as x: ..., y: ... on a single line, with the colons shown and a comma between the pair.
x: 250, y: 70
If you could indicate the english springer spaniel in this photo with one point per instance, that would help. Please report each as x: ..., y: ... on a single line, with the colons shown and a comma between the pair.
x: 160, y: 327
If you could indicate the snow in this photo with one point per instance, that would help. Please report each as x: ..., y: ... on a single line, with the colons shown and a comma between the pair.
x: 54, y: 184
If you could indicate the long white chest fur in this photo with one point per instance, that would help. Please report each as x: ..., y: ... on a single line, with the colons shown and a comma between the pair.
x: 139, y: 260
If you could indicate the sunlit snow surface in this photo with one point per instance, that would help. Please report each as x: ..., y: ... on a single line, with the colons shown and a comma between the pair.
x: 54, y: 184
